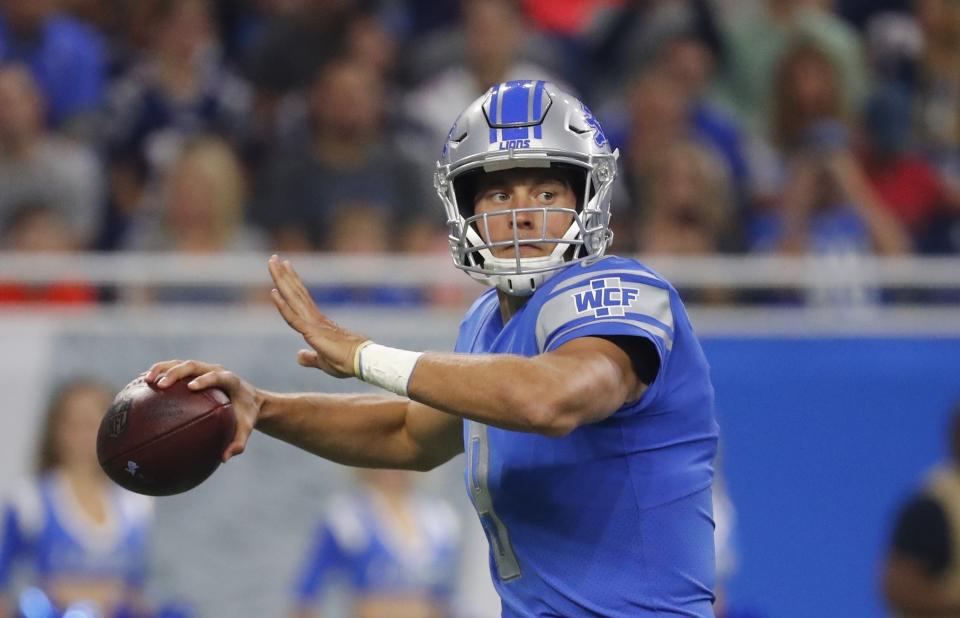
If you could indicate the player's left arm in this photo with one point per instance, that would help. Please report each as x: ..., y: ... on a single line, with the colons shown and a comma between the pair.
x: 583, y: 381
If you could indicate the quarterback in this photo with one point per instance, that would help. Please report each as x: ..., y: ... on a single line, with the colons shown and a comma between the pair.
x: 577, y: 391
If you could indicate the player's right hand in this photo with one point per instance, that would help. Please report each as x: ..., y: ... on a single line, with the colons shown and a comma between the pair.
x: 246, y: 399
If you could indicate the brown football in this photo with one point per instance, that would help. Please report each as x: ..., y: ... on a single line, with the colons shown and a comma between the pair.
x: 164, y: 442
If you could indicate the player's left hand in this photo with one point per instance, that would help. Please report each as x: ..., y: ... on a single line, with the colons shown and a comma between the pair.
x: 333, y: 347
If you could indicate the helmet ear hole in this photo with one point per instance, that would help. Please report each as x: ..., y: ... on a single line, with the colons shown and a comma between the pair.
x: 576, y: 177
x: 465, y: 190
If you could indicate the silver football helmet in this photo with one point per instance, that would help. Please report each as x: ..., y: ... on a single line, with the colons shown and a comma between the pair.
x: 526, y: 123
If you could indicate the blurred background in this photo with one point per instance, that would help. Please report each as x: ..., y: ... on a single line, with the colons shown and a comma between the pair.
x: 792, y: 166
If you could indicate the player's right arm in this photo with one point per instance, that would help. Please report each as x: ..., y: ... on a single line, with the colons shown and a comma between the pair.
x: 376, y: 431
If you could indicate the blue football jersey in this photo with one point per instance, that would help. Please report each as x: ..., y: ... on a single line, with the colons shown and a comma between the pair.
x: 614, y: 519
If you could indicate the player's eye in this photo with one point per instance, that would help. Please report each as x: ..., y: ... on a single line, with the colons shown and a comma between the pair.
x: 500, y: 196
x: 546, y: 196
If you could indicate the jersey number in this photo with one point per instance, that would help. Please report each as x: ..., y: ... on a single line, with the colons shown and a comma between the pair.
x: 478, y: 464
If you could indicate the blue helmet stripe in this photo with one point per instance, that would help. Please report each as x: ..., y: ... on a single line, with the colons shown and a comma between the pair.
x: 493, y: 113
x: 515, y: 109
x: 537, y: 103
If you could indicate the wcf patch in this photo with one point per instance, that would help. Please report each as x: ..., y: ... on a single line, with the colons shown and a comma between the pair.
x: 606, y: 297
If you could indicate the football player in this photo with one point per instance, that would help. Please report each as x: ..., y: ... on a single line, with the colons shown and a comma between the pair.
x: 578, y: 390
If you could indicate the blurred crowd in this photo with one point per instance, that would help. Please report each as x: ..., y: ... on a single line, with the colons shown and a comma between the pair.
x: 744, y: 126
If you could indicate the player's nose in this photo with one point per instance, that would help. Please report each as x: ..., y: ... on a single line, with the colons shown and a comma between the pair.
x: 523, y: 218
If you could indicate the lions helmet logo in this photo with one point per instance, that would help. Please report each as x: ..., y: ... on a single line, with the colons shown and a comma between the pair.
x: 598, y: 136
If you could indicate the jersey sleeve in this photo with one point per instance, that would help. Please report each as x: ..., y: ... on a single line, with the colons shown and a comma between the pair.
x: 627, y: 303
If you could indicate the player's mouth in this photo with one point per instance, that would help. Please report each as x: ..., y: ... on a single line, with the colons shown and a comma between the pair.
x: 526, y: 250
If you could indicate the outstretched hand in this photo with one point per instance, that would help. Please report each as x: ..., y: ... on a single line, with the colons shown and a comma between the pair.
x: 333, y: 347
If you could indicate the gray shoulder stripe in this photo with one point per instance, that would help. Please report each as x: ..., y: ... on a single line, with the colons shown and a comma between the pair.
x: 649, y: 328
x: 604, y: 298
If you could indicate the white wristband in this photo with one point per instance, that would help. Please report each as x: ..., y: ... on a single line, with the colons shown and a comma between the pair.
x: 388, y: 368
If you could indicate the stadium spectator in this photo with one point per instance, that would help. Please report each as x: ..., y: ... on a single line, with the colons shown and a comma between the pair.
x: 178, y: 90
x: 36, y: 227
x: 491, y: 37
x: 893, y: 43
x: 827, y: 205
x: 397, y: 553
x: 370, y: 41
x: 758, y: 35
x: 124, y: 27
x: 569, y: 17
x: 629, y: 37
x: 688, y: 210
x: 689, y: 207
x: 65, y: 56
x: 691, y: 60
x: 280, y: 72
x: 942, y: 235
x: 921, y: 575
x: 903, y: 180
x: 199, y: 209
x: 83, y: 538
x: 938, y: 87
x: 299, y: 38
x: 426, y: 57
x: 243, y: 24
x: 345, y: 174
x: 861, y: 12
x: 291, y: 41
x: 656, y: 118
x: 37, y: 166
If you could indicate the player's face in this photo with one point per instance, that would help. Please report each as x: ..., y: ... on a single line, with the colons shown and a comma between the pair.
x: 500, y: 193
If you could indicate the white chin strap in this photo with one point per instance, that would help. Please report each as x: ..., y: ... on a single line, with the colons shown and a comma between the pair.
x: 523, y: 284
x: 532, y: 273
